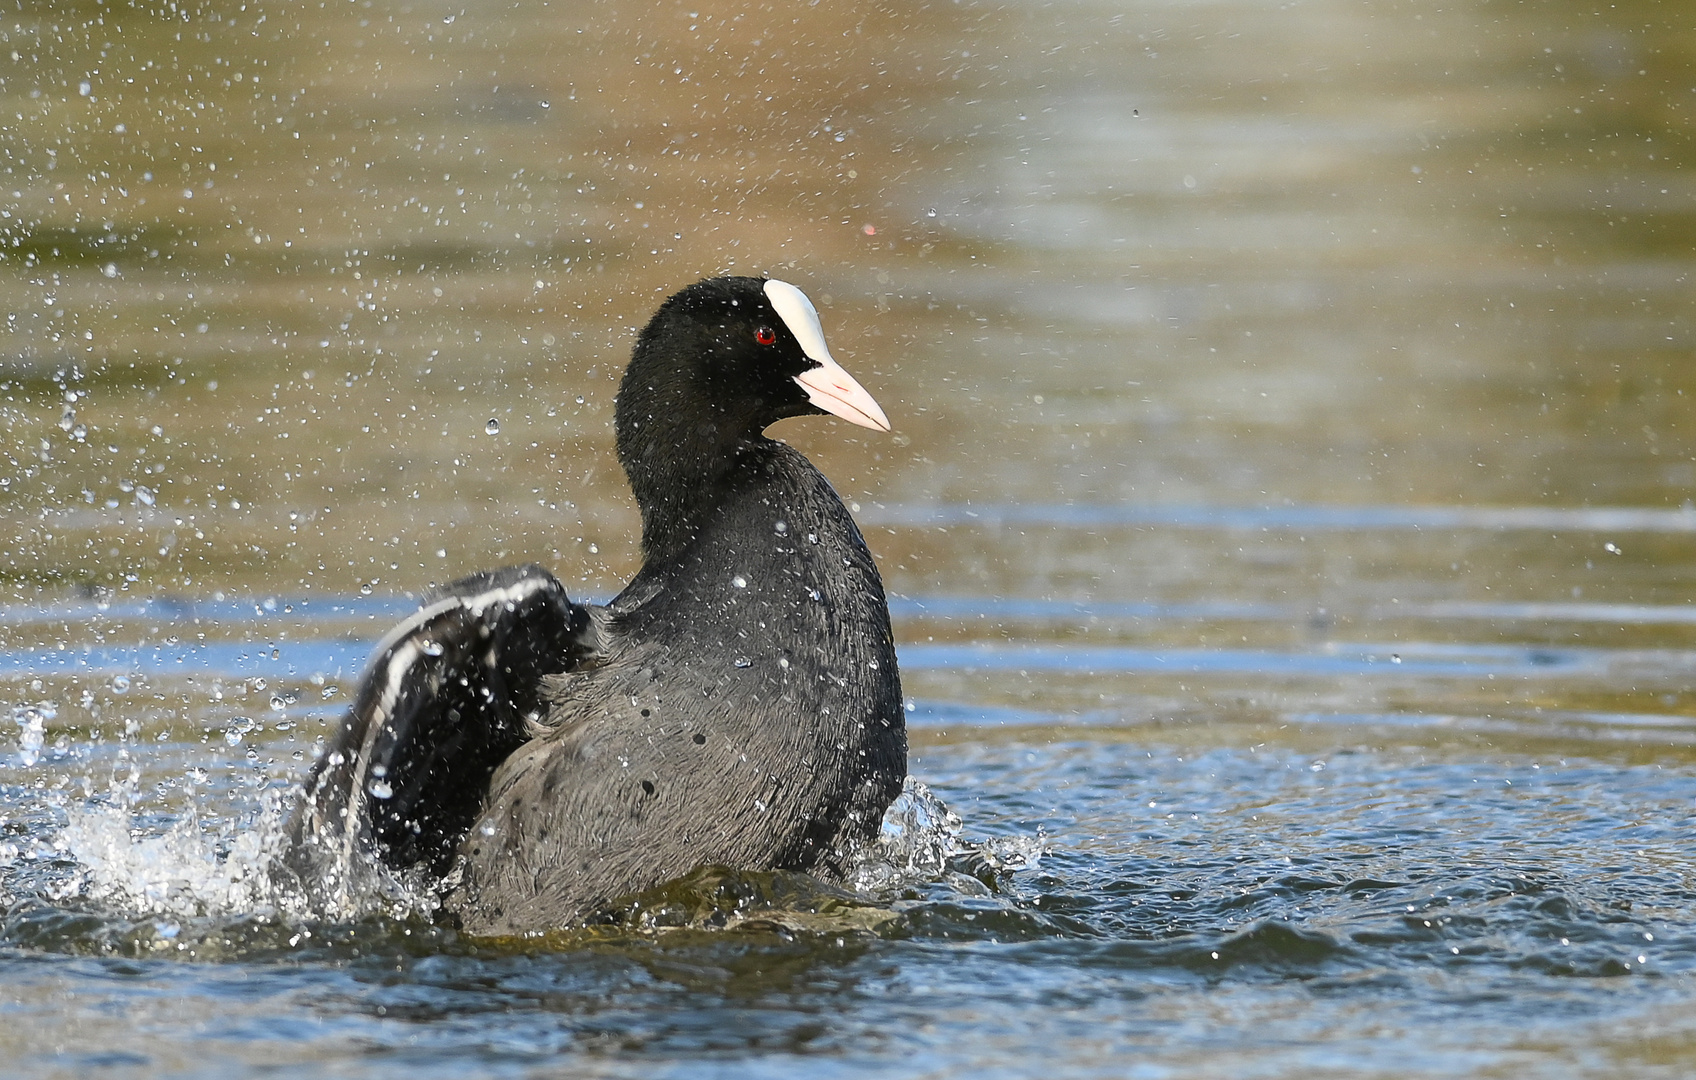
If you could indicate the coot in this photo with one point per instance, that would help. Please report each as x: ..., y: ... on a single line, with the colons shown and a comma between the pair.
x: 737, y: 704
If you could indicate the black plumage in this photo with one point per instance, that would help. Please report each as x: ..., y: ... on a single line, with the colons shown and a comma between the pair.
x: 737, y: 704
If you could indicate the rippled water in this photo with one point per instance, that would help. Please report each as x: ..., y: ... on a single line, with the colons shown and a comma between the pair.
x: 1289, y: 518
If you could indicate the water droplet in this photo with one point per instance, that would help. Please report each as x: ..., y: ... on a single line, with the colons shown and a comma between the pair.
x: 743, y: 662
x: 739, y: 581
x: 237, y: 730
x: 380, y: 789
x: 431, y: 648
x: 782, y: 527
x: 493, y: 427
x: 931, y: 212
x: 365, y: 589
x: 277, y: 703
x: 579, y: 399
x: 259, y: 684
x: 120, y: 684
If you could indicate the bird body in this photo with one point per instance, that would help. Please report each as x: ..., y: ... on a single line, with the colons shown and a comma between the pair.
x: 738, y: 703
x: 762, y: 735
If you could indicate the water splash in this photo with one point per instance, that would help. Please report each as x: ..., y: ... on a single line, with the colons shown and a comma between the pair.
x: 920, y: 833
x: 229, y: 868
x: 32, y: 721
x: 188, y: 871
x: 922, y: 840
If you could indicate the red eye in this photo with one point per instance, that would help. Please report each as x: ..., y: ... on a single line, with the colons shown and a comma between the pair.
x: 765, y: 335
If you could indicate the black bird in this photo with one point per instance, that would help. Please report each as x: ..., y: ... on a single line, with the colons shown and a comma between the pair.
x: 737, y: 704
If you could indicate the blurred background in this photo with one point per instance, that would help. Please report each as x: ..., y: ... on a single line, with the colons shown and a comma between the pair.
x: 1200, y: 324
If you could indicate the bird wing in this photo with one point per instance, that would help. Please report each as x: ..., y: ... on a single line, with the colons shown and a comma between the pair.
x: 449, y: 694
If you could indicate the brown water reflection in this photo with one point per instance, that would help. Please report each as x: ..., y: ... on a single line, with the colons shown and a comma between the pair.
x: 1210, y: 254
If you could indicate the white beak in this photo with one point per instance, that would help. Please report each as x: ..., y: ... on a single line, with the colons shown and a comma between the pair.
x: 828, y: 386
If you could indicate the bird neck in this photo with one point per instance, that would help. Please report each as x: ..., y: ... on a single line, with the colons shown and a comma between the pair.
x: 680, y: 482
x: 680, y: 446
